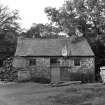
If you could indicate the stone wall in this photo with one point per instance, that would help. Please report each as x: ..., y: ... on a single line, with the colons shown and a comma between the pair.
x: 44, y: 62
x: 40, y: 72
x: 20, y: 62
x: 86, y: 65
x: 42, y: 67
x: 85, y: 72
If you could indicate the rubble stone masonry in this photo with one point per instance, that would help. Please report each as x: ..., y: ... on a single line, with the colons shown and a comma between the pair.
x: 43, y: 67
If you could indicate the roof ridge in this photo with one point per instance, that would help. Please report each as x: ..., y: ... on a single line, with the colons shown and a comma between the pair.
x: 43, y: 38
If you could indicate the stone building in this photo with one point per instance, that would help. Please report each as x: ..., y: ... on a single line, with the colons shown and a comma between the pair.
x: 60, y: 59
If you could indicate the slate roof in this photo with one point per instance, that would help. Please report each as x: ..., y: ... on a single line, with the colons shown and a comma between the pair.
x: 52, y: 47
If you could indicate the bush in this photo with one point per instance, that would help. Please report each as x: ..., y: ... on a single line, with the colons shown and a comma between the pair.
x: 8, y: 74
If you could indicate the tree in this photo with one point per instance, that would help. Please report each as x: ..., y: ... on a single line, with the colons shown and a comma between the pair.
x: 9, y: 28
x: 86, y: 15
x: 34, y: 31
x: 8, y: 20
x: 41, y: 31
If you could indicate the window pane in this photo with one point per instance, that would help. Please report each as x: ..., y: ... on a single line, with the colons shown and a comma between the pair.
x: 77, y: 62
x: 54, y: 61
x: 1, y: 63
x: 32, y: 62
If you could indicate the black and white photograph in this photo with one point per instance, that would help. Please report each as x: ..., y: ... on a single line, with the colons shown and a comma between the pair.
x: 52, y: 52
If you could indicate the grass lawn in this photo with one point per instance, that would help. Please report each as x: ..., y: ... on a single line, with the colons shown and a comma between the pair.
x: 38, y: 94
x: 88, y: 94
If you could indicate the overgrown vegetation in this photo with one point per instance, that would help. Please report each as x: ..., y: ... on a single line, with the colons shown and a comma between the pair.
x: 9, y: 28
x: 8, y: 72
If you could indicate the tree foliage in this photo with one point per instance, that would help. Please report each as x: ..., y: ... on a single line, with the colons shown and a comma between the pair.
x: 86, y: 15
x: 35, y: 31
x: 8, y: 20
x: 41, y: 31
x: 9, y: 28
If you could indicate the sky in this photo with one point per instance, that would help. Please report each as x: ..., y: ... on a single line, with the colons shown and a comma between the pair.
x: 31, y: 11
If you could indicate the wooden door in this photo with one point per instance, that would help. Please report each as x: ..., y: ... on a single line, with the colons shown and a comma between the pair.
x: 55, y: 74
x: 65, y: 74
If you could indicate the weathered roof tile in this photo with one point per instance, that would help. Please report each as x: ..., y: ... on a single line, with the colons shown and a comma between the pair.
x: 52, y: 47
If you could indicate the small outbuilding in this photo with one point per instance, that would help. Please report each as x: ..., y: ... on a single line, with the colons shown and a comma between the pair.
x: 60, y: 59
